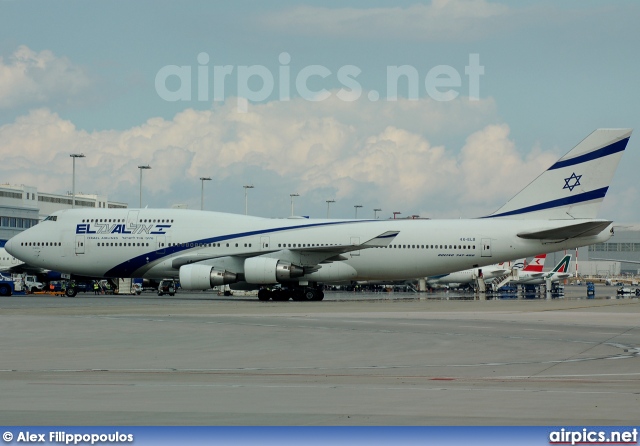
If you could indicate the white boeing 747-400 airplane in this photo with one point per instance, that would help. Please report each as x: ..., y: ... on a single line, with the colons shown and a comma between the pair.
x: 10, y: 265
x: 468, y: 276
x: 8, y: 262
x: 556, y: 211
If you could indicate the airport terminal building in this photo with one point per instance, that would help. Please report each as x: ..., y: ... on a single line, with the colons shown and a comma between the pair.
x: 24, y: 206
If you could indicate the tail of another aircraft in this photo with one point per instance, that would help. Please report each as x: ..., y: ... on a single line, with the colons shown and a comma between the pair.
x: 536, y: 265
x: 508, y: 266
x: 563, y: 265
x: 574, y: 187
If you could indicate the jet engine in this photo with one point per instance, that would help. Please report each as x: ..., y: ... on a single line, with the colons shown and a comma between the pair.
x: 266, y: 270
x: 203, y: 277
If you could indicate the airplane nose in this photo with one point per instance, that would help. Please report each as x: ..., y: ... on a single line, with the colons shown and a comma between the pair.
x: 8, y: 246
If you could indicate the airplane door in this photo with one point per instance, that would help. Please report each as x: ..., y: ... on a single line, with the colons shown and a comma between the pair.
x: 132, y: 219
x: 79, y: 244
x: 161, y: 242
x: 264, y: 243
x: 486, y: 247
x: 355, y: 241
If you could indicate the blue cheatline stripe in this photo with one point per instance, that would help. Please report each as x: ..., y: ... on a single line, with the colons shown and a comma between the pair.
x: 600, y: 153
x: 125, y: 269
x: 586, y: 196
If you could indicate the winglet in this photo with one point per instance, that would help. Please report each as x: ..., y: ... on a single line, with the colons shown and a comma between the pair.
x: 382, y: 240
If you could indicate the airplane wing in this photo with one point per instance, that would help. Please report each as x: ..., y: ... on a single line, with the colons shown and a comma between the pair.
x: 304, y: 256
x: 499, y: 272
x: 584, y: 229
x: 23, y: 268
x: 379, y: 241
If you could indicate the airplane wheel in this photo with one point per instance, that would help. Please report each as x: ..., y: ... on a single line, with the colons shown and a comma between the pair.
x: 309, y: 294
x: 264, y: 295
x: 281, y: 295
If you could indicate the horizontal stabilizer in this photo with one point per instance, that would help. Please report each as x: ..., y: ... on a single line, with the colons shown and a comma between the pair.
x: 585, y: 229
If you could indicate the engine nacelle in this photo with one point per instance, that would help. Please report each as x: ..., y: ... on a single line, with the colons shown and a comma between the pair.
x: 203, y: 277
x: 266, y: 270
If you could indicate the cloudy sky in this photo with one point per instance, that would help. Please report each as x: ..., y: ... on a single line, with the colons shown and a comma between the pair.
x: 443, y: 108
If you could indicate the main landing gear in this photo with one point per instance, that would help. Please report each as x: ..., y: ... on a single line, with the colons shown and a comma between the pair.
x: 295, y: 293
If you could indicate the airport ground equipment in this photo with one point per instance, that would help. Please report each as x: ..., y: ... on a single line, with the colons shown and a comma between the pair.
x: 7, y: 287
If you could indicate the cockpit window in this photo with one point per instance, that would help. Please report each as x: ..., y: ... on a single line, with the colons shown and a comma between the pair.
x: 51, y: 218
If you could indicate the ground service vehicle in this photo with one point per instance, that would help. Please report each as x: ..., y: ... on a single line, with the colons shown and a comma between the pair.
x: 167, y: 286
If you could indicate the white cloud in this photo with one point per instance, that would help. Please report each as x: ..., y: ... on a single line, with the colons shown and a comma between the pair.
x: 356, y: 152
x: 491, y: 166
x: 29, y: 77
x: 440, y: 20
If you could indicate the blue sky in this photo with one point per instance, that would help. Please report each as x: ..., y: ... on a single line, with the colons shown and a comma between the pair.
x: 81, y: 76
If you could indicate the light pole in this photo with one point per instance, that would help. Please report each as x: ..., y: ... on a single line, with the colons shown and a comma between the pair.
x: 141, y: 169
x: 375, y: 213
x: 396, y: 213
x: 245, y: 198
x: 357, y: 206
x: 328, y: 203
x: 293, y: 195
x: 73, y: 181
x: 202, y: 180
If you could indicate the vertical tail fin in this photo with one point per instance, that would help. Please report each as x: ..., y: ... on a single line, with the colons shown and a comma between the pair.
x: 576, y: 184
x: 536, y: 265
x: 518, y: 264
x: 563, y: 265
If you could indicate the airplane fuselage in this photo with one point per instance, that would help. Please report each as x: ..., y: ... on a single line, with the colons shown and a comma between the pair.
x: 155, y: 243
